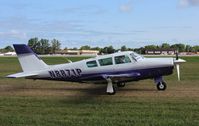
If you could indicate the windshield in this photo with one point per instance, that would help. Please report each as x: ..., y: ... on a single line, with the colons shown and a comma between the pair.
x: 136, y: 56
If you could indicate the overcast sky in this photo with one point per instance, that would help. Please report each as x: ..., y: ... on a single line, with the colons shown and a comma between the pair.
x: 133, y: 23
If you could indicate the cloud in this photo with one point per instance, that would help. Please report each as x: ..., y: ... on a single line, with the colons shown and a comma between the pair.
x: 13, y: 34
x: 127, y: 7
x: 188, y: 3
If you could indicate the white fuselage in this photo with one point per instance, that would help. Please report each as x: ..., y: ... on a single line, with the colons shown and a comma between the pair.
x: 79, y: 71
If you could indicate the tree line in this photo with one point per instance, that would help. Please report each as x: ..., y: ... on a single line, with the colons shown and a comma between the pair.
x: 45, y: 46
x: 109, y: 49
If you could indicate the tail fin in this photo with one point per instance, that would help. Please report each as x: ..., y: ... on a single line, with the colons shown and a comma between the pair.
x: 28, y: 59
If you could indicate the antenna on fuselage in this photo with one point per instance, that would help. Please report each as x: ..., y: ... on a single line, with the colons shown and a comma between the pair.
x: 69, y: 61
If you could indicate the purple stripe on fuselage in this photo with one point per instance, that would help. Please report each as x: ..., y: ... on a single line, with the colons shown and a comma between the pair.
x: 144, y: 74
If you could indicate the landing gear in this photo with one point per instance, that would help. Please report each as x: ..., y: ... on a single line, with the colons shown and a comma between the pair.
x: 110, y: 88
x: 160, y: 84
x: 112, y: 93
x: 121, y: 84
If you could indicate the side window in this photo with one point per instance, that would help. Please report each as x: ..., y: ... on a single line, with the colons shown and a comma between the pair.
x: 122, y: 59
x: 106, y: 61
x: 91, y: 63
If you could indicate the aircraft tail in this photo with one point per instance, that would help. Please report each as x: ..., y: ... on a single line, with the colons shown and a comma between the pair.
x: 29, y: 61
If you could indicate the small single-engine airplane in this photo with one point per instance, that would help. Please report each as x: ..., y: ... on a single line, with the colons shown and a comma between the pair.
x: 113, y: 69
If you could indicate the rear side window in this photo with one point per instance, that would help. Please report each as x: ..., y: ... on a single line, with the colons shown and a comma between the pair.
x: 106, y: 61
x: 91, y: 63
x: 122, y: 59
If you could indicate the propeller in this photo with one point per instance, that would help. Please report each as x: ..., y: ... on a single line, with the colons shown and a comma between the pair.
x: 177, y: 62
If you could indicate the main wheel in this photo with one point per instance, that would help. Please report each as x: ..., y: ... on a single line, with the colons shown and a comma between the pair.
x: 121, y: 84
x: 161, y: 86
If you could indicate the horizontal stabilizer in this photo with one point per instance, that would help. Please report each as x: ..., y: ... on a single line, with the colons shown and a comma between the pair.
x: 22, y: 74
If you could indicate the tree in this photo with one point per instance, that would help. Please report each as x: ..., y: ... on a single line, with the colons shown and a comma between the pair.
x: 55, y: 45
x: 107, y: 50
x: 103, y: 50
x: 34, y: 43
x: 148, y: 47
x: 45, y: 46
x: 196, y: 48
x: 86, y: 47
x: 188, y: 48
x: 110, y: 50
x: 123, y: 48
x: 179, y: 47
x: 96, y: 48
x: 140, y: 50
x: 165, y: 46
x: 8, y: 49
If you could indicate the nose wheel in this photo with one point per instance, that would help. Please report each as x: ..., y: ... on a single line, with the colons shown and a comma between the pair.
x: 161, y: 86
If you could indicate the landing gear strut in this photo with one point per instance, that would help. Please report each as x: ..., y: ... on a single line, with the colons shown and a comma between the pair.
x: 160, y: 84
x: 110, y: 88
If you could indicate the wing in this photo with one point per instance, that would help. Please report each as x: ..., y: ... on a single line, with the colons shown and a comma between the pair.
x: 22, y: 74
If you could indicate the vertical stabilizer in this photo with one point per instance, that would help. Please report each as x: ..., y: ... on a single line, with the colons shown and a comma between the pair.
x: 28, y: 59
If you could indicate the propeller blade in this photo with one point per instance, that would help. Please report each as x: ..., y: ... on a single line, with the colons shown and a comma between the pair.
x: 177, y: 63
x: 178, y: 71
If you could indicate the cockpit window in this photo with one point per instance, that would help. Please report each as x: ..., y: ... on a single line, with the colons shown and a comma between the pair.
x: 91, y: 63
x: 136, y: 56
x: 122, y: 59
x: 106, y: 61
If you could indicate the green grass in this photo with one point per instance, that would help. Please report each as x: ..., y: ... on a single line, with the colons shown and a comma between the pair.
x: 50, y: 103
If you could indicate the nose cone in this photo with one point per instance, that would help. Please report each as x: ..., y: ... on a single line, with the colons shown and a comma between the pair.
x: 160, y: 62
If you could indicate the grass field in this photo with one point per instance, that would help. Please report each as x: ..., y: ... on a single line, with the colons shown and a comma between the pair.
x: 49, y: 103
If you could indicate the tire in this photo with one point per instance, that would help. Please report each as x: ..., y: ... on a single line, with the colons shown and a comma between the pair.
x: 161, y: 86
x: 121, y: 84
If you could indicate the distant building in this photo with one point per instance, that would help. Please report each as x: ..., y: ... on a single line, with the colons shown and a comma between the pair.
x: 10, y: 54
x: 190, y: 53
x: 77, y: 52
x: 160, y: 51
x: 89, y: 52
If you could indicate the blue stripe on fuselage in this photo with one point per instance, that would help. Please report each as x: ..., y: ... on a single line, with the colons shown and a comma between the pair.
x: 144, y: 74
